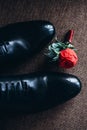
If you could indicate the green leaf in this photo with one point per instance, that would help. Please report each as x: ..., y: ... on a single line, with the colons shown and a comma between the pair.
x: 70, y: 46
x: 54, y: 45
x: 56, y: 58
x: 51, y: 54
x: 75, y: 49
x: 60, y: 44
x: 49, y: 47
x: 57, y: 50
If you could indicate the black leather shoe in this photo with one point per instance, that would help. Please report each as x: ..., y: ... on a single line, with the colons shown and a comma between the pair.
x: 37, y: 91
x: 21, y: 40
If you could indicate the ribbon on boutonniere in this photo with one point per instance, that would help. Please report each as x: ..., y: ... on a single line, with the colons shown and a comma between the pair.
x: 63, y: 52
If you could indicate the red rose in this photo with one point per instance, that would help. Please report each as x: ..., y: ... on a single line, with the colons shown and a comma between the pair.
x: 67, y: 58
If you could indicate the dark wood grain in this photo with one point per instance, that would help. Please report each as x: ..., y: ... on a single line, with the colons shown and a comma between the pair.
x: 65, y: 15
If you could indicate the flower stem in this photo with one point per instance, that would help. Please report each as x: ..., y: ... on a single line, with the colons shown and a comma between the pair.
x: 70, y: 35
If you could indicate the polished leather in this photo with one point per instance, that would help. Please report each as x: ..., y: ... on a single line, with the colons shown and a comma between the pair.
x: 21, y: 40
x: 37, y: 91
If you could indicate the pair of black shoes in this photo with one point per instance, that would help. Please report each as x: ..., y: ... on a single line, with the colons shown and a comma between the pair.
x: 37, y: 91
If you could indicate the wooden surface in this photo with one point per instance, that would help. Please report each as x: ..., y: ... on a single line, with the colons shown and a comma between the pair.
x: 65, y: 15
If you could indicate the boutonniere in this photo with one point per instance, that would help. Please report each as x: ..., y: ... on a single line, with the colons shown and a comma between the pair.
x: 63, y: 52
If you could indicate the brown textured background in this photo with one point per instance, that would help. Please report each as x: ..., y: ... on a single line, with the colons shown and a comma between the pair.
x: 65, y: 15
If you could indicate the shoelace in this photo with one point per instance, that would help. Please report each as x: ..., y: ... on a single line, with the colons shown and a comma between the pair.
x: 3, y: 48
x: 16, y: 88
